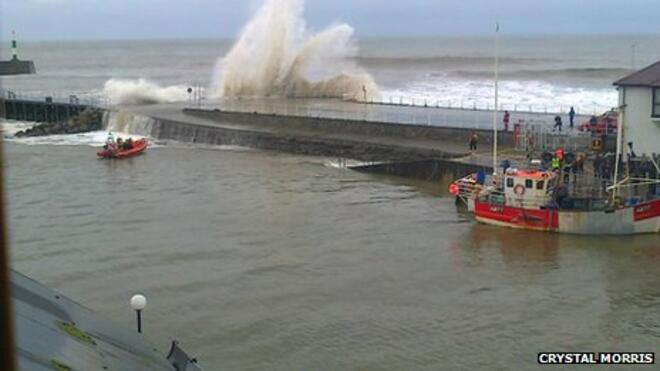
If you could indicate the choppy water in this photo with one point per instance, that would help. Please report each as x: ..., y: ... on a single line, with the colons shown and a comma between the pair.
x: 256, y: 260
x: 540, y: 71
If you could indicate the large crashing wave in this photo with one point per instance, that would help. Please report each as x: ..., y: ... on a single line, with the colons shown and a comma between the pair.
x: 275, y: 56
x: 142, y: 91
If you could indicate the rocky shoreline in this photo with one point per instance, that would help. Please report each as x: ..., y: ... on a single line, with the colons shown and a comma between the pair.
x: 88, y: 120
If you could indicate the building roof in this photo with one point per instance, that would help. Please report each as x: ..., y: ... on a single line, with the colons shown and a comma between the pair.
x: 648, y: 76
x: 54, y: 332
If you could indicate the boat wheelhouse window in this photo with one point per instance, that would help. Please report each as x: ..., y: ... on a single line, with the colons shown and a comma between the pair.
x: 656, y: 103
x: 496, y: 199
x: 529, y: 183
x: 539, y: 185
x: 509, y: 182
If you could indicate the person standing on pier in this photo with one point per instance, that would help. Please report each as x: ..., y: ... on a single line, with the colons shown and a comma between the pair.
x: 558, y: 123
x: 474, y: 139
x: 571, y: 117
x: 506, y: 120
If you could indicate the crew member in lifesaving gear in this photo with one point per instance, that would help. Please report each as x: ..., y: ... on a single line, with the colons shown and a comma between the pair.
x: 555, y: 164
x: 110, y: 144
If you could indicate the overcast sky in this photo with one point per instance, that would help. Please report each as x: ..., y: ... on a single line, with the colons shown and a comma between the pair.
x: 138, y: 19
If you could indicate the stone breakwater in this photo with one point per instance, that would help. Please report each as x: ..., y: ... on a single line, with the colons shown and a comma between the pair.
x: 88, y: 120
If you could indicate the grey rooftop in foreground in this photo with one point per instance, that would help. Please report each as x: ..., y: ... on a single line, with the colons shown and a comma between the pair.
x: 55, y: 333
x: 646, y: 77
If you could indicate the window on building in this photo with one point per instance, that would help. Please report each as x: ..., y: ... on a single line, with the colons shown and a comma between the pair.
x: 539, y: 185
x: 509, y: 182
x: 656, y: 102
x: 529, y: 183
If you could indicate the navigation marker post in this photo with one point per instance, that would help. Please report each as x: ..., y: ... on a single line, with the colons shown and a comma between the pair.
x: 14, y: 46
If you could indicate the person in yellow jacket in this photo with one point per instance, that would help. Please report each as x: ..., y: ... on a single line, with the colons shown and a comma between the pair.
x: 555, y: 164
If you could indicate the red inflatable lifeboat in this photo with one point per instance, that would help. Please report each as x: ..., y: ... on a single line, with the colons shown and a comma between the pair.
x: 138, y: 147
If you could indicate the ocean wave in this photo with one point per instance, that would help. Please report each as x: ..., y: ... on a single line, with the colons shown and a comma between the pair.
x: 444, y: 61
x: 589, y: 73
x: 141, y: 91
x: 532, y: 95
x: 276, y: 56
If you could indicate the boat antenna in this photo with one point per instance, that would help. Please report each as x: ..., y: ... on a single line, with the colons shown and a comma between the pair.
x: 619, y: 147
x: 497, y: 71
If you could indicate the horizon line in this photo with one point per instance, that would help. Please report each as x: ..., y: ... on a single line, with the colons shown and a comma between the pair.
x: 358, y: 36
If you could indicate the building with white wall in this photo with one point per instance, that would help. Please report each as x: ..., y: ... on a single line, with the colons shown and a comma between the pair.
x: 639, y: 102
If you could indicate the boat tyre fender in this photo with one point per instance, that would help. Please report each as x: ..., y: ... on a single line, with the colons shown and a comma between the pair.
x: 519, y: 189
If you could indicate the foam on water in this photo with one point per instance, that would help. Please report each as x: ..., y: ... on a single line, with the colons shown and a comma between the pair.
x: 98, y: 138
x: 92, y: 139
x: 10, y: 128
x: 523, y: 95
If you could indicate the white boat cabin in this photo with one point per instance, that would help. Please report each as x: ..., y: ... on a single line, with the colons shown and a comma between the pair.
x: 528, y: 189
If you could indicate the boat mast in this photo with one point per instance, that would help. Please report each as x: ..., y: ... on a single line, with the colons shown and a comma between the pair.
x: 497, y: 71
x: 619, y: 142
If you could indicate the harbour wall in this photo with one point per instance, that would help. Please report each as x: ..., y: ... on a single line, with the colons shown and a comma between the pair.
x: 355, y: 127
x: 304, y: 143
x: 428, y: 164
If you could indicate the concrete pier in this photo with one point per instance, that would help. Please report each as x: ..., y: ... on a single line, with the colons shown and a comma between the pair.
x: 17, y: 67
x: 359, y: 140
x: 424, y: 115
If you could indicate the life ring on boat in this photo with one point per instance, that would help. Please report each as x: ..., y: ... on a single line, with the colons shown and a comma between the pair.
x: 453, y: 189
x: 519, y: 189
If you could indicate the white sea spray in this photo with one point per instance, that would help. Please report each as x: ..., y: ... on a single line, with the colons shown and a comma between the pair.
x: 141, y: 91
x: 275, y: 55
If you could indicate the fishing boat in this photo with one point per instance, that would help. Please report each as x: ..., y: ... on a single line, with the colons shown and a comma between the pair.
x: 560, y: 197
x: 137, y: 148
x: 542, y: 200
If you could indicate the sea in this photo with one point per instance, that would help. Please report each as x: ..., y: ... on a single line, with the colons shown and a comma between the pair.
x: 258, y: 260
x: 536, y: 72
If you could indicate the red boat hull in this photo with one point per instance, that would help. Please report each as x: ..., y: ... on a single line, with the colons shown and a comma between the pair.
x: 515, y: 217
x: 139, y: 146
x: 641, y: 218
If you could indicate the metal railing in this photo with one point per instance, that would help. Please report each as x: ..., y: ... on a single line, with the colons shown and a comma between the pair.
x: 76, y: 98
x: 469, y: 118
x: 534, y: 135
x: 462, y: 104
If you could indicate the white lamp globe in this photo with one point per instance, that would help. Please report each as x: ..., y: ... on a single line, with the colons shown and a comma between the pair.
x: 138, y: 302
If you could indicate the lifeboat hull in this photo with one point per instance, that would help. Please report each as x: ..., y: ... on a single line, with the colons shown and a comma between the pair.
x: 139, y: 146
